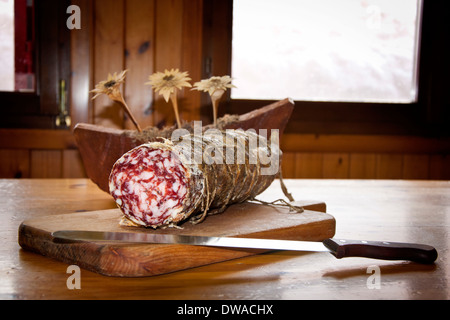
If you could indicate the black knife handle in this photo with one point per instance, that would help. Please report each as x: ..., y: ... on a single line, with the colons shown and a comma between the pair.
x: 384, y: 250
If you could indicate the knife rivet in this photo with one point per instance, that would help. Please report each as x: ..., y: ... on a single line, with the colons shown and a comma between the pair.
x: 364, y: 241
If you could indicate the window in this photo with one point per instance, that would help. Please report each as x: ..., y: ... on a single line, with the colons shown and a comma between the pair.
x: 423, y: 110
x: 17, y: 51
x: 326, y: 50
x: 7, y: 45
x: 31, y: 89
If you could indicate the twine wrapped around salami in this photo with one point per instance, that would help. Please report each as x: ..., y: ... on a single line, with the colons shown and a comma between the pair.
x: 160, y: 184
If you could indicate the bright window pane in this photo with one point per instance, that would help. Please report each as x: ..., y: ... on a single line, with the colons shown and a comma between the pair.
x: 17, y: 70
x: 7, y: 45
x: 328, y: 50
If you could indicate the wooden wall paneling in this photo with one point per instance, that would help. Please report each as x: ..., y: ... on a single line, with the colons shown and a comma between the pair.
x: 191, y: 56
x: 72, y: 164
x: 308, y: 165
x: 14, y: 163
x: 336, y: 165
x: 217, y: 35
x: 288, y: 165
x: 439, y: 167
x: 108, y: 57
x: 364, y: 143
x: 139, y: 59
x: 416, y: 166
x: 389, y: 166
x: 362, y: 166
x: 36, y: 139
x: 168, y: 36
x: 81, y: 65
x: 46, y: 164
x: 169, y: 17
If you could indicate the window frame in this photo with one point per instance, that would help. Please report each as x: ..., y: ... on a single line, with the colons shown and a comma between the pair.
x: 52, y: 60
x: 428, y: 116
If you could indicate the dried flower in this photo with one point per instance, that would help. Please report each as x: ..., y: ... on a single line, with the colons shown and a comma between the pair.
x: 216, y: 87
x: 167, y: 83
x: 110, y: 87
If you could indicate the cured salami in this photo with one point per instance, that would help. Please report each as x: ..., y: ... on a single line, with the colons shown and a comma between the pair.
x: 163, y: 183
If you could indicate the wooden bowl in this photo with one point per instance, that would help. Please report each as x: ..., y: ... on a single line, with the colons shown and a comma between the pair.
x: 100, y: 147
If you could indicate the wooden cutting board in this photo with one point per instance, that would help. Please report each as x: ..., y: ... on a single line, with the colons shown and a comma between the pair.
x: 137, y: 260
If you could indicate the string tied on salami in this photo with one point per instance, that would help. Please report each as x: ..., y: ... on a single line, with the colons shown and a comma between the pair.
x: 282, y: 203
x: 192, y: 176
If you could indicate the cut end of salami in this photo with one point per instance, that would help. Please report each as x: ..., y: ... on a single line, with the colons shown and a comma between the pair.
x: 151, y: 186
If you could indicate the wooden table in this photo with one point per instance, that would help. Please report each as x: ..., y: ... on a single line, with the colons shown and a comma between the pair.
x: 405, y: 211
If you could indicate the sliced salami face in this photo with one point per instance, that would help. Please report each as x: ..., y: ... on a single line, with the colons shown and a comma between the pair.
x: 150, y: 185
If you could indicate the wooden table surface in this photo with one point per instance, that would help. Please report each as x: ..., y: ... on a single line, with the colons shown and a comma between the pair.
x: 404, y: 211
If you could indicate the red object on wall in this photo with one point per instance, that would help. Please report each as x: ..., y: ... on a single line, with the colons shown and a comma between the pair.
x: 24, y: 44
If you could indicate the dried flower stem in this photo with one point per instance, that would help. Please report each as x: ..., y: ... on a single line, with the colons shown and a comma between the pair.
x: 128, y: 111
x: 215, y: 98
x: 173, y: 98
x: 215, y: 103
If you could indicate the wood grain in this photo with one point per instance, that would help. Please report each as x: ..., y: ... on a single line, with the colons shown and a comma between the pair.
x: 81, y: 63
x: 335, y: 165
x: 15, y: 163
x: 357, y: 165
x: 72, y: 165
x: 140, y: 47
x: 288, y: 164
x: 46, y: 164
x: 362, y: 166
x: 361, y: 143
x: 36, y: 139
x: 416, y: 166
x: 168, y: 33
x: 308, y: 165
x: 396, y: 210
x: 137, y: 260
x: 192, y: 58
x: 187, y: 34
x: 108, y: 57
x: 389, y: 166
